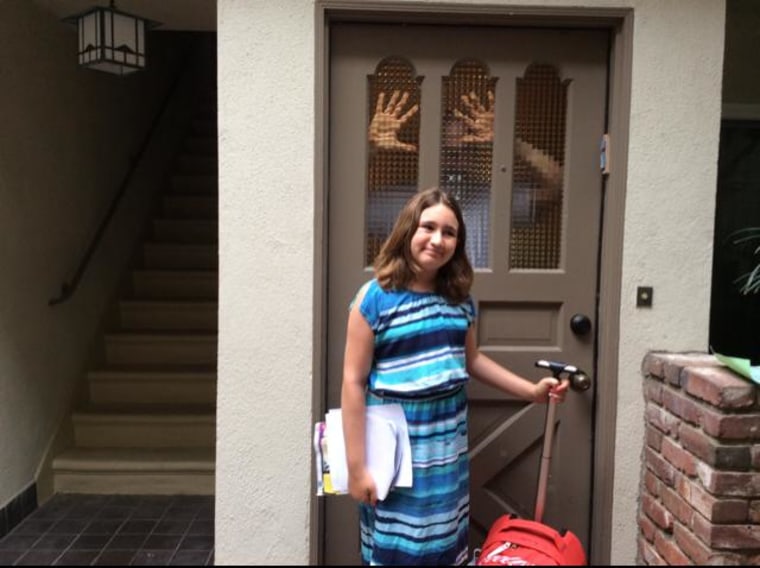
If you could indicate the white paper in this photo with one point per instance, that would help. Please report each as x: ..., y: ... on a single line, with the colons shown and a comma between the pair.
x: 388, y: 450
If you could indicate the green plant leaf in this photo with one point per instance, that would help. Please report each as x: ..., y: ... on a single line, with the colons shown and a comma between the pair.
x: 740, y: 366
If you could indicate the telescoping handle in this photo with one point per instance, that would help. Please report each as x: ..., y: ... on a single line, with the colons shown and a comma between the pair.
x: 579, y: 381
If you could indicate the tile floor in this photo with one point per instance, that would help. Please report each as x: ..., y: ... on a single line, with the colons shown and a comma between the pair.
x: 116, y: 530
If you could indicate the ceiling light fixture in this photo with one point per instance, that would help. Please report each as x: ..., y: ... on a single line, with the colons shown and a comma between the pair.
x: 110, y: 40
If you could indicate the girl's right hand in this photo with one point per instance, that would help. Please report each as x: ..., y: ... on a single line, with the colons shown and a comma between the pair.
x: 362, y: 487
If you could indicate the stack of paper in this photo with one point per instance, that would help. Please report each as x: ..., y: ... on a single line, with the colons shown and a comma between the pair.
x: 388, y: 451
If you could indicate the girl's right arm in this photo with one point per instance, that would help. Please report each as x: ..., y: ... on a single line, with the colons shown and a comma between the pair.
x: 357, y: 362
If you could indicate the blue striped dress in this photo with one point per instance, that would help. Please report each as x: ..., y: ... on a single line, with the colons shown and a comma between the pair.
x: 419, y: 362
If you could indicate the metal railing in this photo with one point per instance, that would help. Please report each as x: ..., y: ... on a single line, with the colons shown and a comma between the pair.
x: 69, y: 287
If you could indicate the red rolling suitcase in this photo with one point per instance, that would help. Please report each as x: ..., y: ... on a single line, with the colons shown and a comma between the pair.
x: 512, y: 541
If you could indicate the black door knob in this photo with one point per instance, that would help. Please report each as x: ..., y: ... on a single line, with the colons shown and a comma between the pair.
x: 580, y: 324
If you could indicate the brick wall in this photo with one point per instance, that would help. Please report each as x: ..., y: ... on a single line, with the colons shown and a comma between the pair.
x: 700, y: 483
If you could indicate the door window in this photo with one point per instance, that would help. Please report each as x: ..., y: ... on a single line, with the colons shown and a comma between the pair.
x: 537, y: 179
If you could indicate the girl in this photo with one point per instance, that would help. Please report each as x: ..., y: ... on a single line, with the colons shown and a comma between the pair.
x: 411, y: 340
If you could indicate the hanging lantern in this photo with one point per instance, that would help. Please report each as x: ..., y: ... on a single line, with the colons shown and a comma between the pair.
x: 110, y: 40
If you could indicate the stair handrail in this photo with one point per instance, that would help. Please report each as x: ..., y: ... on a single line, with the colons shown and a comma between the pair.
x: 69, y: 287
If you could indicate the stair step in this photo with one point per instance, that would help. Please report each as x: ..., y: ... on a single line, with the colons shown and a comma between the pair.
x: 167, y: 315
x: 144, y: 429
x: 202, y: 145
x: 152, y: 387
x: 180, y: 255
x: 201, y: 231
x: 149, y: 426
x: 195, y: 164
x: 135, y: 471
x: 175, y: 284
x: 160, y: 349
x: 204, y: 126
x: 186, y: 230
x: 191, y: 206
x: 195, y: 184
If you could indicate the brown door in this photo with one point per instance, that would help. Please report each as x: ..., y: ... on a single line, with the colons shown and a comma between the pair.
x: 510, y: 120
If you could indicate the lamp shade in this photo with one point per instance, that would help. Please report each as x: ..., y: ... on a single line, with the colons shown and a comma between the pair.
x: 110, y: 40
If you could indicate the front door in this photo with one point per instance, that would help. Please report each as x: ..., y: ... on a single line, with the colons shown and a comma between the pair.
x: 510, y: 120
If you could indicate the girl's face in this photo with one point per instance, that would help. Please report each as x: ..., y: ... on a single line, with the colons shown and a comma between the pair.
x: 435, y: 240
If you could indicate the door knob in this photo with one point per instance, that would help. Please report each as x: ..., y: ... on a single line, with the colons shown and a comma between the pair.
x: 580, y: 324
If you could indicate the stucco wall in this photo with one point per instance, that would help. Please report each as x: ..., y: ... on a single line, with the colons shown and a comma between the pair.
x: 267, y: 118
x: 66, y: 139
x: 266, y: 230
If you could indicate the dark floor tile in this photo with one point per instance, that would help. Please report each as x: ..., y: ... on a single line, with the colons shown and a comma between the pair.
x: 102, y: 526
x: 32, y: 526
x: 123, y: 500
x: 52, y: 511
x: 69, y: 526
x: 141, y: 526
x: 115, y: 558
x: 201, y: 527
x: 162, y: 542
x: 84, y: 512
x: 127, y: 541
x: 114, y: 530
x: 115, y: 512
x: 206, y: 512
x: 190, y: 558
x: 38, y: 558
x: 91, y: 541
x: 171, y: 525
x: 77, y: 557
x: 152, y: 557
x: 54, y: 541
x: 197, y: 542
x: 148, y: 511
x: 18, y: 542
x: 182, y: 512
x: 8, y: 557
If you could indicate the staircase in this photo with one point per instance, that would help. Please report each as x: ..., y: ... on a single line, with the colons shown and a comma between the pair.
x: 149, y: 423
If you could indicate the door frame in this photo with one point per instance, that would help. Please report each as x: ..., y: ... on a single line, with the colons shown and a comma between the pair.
x: 619, y: 22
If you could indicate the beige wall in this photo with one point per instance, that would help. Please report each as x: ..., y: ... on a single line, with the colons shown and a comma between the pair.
x: 267, y: 147
x: 266, y: 218
x: 64, y: 133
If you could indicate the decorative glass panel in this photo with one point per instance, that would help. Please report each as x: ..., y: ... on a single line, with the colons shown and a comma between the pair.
x: 393, y: 139
x: 539, y: 157
x: 467, y: 149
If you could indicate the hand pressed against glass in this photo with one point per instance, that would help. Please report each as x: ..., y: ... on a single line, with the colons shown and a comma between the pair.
x: 433, y: 243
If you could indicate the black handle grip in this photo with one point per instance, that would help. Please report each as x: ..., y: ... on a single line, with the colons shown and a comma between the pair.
x: 579, y: 381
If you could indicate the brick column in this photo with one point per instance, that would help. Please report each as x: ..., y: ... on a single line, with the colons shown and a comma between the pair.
x: 700, y: 484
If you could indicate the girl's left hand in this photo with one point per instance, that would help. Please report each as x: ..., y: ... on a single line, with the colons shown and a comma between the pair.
x: 550, y: 387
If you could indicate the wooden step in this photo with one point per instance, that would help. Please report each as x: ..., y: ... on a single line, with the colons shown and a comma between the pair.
x: 160, y: 350
x: 180, y: 255
x: 144, y: 429
x: 175, y: 284
x: 167, y: 315
x: 108, y: 387
x: 186, y: 231
x: 135, y: 471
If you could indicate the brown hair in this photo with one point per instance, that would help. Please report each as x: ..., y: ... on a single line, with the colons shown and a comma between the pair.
x: 394, y: 266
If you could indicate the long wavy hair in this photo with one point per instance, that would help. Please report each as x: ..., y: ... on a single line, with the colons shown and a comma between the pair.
x: 396, y: 269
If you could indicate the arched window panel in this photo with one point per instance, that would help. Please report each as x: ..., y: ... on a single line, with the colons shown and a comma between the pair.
x: 538, y: 169
x: 467, y: 130
x: 393, y: 136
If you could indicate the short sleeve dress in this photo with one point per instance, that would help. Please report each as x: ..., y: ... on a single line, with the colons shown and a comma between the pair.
x: 419, y: 362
